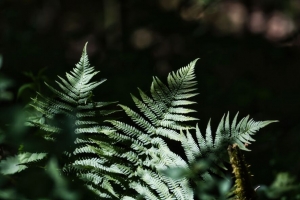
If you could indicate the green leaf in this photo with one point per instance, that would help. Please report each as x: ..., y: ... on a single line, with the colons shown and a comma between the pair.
x: 24, y: 87
x: 14, y: 164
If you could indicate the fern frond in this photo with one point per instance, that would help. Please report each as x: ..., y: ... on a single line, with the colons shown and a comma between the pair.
x: 213, y: 148
x: 46, y: 127
x: 102, y: 194
x: 225, y: 135
x: 143, y: 190
x: 245, y: 129
x: 154, y: 181
x: 74, y: 101
x: 161, y: 116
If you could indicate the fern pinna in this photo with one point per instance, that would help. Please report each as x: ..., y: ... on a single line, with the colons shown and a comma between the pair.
x: 124, y: 161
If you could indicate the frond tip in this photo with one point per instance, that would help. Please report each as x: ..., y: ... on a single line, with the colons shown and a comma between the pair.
x: 243, y: 131
x: 214, y: 146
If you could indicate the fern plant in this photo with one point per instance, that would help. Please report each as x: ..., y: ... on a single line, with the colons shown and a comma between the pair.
x: 161, y: 117
x: 118, y: 160
x: 214, y: 145
x: 76, y: 106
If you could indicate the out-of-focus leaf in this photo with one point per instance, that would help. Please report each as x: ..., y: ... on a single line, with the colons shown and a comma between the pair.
x: 4, y: 84
x: 24, y: 87
x: 11, y: 165
x: 283, y: 186
x: 224, y: 187
x: 16, y: 163
x: 2, y: 137
x: 176, y: 173
x: 29, y: 75
x: 61, y: 190
x: 10, y: 194
x: 1, y: 60
x: 201, y: 166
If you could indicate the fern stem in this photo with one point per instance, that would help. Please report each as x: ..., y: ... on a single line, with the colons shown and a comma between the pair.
x: 243, y: 189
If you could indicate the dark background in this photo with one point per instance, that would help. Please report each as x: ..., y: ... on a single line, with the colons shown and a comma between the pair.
x: 249, y: 54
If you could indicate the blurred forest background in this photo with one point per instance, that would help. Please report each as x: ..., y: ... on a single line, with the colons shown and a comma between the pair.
x: 249, y: 50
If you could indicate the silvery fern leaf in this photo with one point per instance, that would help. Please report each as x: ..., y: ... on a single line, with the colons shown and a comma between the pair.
x: 161, y: 116
x: 214, y: 146
x: 74, y: 101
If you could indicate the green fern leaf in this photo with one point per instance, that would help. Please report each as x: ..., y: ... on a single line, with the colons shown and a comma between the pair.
x: 215, y: 148
x: 161, y: 116
x: 74, y: 101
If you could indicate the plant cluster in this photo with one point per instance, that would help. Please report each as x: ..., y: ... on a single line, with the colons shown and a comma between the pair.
x: 81, y: 141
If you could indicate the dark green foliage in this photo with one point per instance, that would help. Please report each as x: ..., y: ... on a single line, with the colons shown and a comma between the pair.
x: 283, y: 187
x: 4, y: 85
